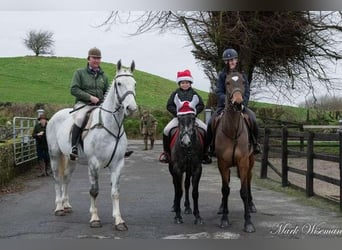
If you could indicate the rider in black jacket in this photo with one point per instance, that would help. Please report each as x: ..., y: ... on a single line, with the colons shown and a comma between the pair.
x: 230, y: 58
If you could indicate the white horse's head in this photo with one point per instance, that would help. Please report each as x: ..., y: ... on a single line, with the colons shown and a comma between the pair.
x: 124, y: 84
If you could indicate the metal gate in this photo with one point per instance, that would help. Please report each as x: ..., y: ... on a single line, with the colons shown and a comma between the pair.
x: 24, y: 145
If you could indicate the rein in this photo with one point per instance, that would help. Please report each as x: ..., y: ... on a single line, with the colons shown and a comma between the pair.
x: 231, y: 106
x: 120, y: 132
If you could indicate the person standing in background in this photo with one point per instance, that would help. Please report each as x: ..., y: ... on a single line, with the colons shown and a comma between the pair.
x: 148, y: 126
x: 39, y: 134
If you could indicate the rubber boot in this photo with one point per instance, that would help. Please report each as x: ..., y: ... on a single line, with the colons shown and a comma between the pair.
x: 42, y: 167
x: 152, y: 144
x: 47, y: 168
x: 165, y: 156
x: 145, y: 143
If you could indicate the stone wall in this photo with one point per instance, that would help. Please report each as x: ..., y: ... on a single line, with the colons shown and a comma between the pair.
x: 8, y: 169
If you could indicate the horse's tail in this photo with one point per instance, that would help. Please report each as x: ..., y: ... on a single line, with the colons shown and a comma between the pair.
x: 62, y: 164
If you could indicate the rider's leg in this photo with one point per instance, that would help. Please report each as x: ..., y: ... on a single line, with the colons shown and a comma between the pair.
x: 254, y: 129
x: 79, y: 117
x: 165, y: 156
x: 75, y: 136
x: 206, y: 158
x: 210, y: 141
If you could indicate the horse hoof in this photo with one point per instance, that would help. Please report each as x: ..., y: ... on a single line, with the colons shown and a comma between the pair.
x: 95, y: 224
x: 198, y: 221
x: 224, y: 223
x: 68, y: 210
x: 249, y: 228
x: 121, y: 227
x: 188, y: 210
x: 60, y: 213
x: 178, y: 220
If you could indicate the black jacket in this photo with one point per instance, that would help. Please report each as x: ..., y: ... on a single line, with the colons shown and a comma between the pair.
x: 184, y: 95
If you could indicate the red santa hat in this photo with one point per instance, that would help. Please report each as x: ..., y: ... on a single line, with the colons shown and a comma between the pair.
x: 184, y: 76
x: 186, y: 107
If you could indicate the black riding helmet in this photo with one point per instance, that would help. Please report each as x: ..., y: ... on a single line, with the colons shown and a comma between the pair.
x: 229, y: 54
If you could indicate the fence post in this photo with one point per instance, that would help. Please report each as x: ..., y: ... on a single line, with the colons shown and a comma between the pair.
x: 264, y: 158
x: 301, y: 138
x: 284, y: 156
x: 340, y: 137
x: 309, y: 165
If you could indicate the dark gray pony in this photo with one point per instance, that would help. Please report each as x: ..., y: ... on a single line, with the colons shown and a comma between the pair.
x: 186, y: 157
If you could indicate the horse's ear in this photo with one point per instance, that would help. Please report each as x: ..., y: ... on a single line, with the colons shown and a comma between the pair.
x: 118, y: 65
x: 177, y: 101
x: 132, y: 66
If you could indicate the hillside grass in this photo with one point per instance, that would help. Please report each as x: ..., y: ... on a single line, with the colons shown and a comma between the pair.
x: 30, y: 82
x: 32, y: 79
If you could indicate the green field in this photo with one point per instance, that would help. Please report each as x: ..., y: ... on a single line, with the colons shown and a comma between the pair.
x: 30, y: 82
x: 33, y: 79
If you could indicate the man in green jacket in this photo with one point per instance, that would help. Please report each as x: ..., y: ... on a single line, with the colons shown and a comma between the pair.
x: 89, y: 86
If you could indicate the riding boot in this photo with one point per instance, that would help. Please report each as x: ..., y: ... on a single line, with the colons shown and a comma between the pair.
x: 206, y: 158
x: 256, y: 145
x: 75, y: 136
x: 145, y: 143
x: 210, y: 137
x: 128, y: 153
x: 152, y: 144
x: 165, y: 156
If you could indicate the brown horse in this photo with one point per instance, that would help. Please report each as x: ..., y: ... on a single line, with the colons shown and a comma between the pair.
x: 233, y: 149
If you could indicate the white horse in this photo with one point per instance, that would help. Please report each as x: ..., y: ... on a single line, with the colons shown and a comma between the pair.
x: 104, y: 145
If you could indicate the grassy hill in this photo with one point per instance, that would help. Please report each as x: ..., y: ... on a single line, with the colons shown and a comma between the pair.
x: 28, y: 83
x: 33, y: 79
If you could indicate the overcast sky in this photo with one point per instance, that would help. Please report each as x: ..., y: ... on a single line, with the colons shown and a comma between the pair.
x: 75, y: 32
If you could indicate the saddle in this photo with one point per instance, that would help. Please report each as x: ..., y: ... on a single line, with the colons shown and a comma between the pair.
x: 216, y: 120
x: 86, y: 125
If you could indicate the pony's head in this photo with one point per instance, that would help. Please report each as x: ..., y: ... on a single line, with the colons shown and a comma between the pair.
x: 186, y: 113
x: 124, y: 84
x: 235, y: 90
x: 186, y: 125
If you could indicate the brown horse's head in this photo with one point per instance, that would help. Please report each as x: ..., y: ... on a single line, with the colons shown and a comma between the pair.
x: 235, y: 90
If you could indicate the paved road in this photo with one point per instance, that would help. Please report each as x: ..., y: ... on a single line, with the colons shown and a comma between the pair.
x: 146, y: 197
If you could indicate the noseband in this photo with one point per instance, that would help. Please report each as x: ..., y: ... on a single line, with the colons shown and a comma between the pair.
x: 122, y: 98
x: 236, y: 107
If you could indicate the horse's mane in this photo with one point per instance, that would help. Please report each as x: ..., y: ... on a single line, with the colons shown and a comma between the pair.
x: 125, y: 70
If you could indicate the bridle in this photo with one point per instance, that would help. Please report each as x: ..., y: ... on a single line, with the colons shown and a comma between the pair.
x: 187, y: 132
x: 130, y: 92
x: 118, y: 107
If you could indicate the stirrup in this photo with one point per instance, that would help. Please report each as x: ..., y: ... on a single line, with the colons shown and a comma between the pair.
x: 206, y: 160
x: 257, y: 148
x: 164, y: 158
x: 74, y: 153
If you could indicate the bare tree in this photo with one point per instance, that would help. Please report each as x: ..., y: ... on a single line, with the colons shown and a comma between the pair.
x: 286, y: 50
x: 40, y: 42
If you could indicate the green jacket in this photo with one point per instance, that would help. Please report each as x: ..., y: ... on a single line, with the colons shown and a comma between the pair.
x: 86, y: 82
